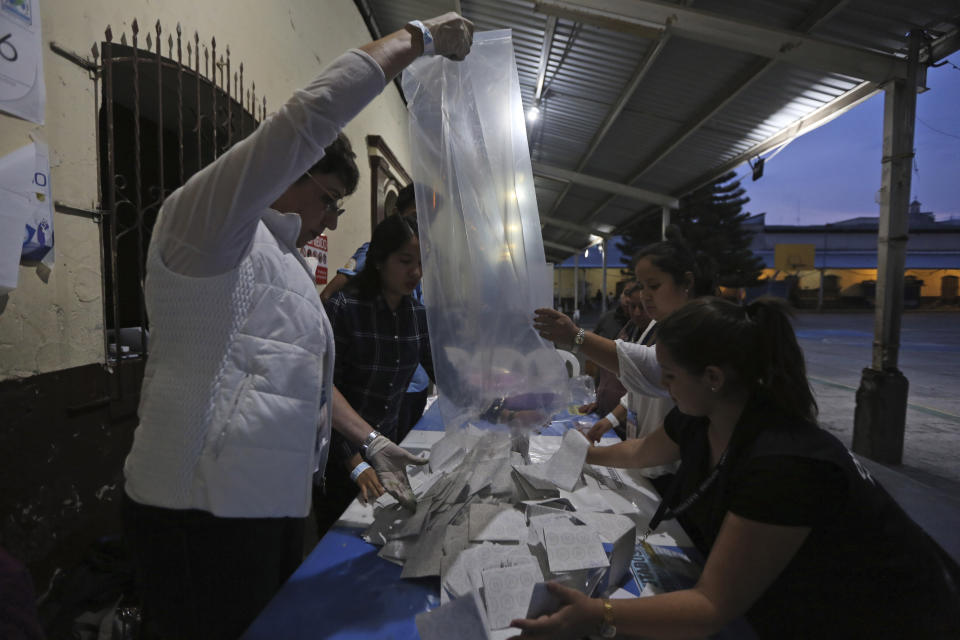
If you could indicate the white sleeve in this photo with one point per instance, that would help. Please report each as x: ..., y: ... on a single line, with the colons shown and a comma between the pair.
x: 206, y: 226
x: 639, y: 369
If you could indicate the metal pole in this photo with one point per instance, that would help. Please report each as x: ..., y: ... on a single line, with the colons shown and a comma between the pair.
x: 664, y: 223
x: 603, y: 301
x: 576, y: 283
x: 823, y: 273
x: 823, y: 267
x: 138, y: 196
x: 111, y: 205
x: 882, y: 397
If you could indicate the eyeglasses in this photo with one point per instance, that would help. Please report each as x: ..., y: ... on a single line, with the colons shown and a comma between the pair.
x: 333, y: 203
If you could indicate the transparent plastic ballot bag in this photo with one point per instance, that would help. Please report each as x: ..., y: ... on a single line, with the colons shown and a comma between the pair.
x: 484, y: 270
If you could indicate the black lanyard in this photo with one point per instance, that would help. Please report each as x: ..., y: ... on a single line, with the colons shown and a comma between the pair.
x: 666, y: 513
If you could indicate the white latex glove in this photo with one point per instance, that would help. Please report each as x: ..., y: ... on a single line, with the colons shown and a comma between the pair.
x: 452, y: 35
x: 390, y: 462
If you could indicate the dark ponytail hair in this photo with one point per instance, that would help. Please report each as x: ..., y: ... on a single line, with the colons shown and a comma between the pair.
x: 388, y: 237
x: 755, y: 342
x: 675, y: 257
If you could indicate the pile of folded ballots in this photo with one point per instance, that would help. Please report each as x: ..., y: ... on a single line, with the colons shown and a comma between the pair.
x: 495, y: 526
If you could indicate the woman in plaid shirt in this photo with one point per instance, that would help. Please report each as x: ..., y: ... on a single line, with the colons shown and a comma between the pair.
x: 380, y: 331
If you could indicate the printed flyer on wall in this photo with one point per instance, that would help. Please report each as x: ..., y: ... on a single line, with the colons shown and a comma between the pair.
x: 22, y: 91
x: 26, y: 212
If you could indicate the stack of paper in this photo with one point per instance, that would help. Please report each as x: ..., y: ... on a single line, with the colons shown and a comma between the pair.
x: 493, y: 526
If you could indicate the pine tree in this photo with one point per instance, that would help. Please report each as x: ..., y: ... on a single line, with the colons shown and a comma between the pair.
x: 710, y: 220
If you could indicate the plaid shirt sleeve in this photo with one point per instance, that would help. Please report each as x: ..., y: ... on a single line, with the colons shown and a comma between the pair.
x: 377, y: 352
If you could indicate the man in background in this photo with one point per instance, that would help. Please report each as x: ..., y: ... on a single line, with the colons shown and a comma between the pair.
x: 610, y: 323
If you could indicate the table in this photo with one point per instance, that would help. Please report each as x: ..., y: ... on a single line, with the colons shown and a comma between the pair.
x: 344, y: 591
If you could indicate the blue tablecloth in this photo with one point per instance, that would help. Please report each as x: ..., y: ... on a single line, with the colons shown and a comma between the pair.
x: 344, y: 591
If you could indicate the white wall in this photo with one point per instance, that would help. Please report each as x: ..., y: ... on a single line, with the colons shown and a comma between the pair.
x: 47, y: 326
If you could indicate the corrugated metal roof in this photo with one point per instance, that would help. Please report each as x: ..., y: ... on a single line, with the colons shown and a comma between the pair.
x: 698, y: 108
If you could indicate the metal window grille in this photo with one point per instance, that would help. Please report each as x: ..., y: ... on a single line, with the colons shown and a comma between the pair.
x: 160, y: 119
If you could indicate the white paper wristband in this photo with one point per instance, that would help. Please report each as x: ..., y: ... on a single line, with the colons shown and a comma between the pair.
x: 357, y: 470
x: 613, y: 419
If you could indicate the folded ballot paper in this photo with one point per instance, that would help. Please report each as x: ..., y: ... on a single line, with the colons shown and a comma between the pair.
x: 494, y: 527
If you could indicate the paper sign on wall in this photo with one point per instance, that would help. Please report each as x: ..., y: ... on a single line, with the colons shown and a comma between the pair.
x: 22, y: 91
x: 26, y: 212
x: 315, y: 252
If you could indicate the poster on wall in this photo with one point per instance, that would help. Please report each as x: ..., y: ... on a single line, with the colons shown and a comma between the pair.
x: 26, y: 212
x: 315, y: 253
x: 22, y: 91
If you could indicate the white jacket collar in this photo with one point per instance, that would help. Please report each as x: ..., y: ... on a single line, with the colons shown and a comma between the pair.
x: 285, y: 227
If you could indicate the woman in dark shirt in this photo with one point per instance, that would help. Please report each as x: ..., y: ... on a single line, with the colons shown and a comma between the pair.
x: 381, y: 336
x: 798, y: 536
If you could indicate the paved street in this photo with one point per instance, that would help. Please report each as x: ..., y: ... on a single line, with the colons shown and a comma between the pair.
x: 838, y: 347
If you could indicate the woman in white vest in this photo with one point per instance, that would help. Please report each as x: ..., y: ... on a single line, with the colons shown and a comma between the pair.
x: 237, y: 401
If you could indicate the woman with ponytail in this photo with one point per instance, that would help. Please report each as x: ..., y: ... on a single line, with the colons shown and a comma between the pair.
x: 798, y: 537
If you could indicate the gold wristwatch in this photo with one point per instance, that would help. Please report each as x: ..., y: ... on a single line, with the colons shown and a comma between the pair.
x: 607, y: 628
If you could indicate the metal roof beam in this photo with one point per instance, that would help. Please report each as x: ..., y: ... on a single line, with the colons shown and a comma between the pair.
x: 736, y: 87
x: 639, y: 74
x: 616, y: 188
x: 748, y: 77
x: 548, y: 30
x: 563, y: 224
x: 941, y: 47
x: 776, y: 44
x: 561, y: 247
x: 805, y: 125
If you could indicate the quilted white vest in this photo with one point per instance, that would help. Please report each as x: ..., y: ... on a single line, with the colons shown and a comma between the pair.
x: 231, y: 417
